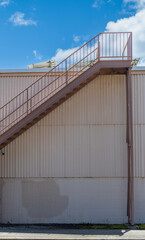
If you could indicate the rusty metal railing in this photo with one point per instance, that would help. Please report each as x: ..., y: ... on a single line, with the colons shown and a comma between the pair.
x: 105, y: 46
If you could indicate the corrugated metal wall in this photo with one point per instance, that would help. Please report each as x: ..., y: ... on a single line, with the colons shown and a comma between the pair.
x: 139, y: 123
x: 12, y: 84
x: 84, y: 137
x: 77, y: 156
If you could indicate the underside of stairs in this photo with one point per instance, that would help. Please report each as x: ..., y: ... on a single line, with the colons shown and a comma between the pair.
x: 106, y: 53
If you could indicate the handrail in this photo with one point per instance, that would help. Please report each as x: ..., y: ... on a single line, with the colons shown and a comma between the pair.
x: 44, y: 88
x: 102, y: 47
x: 51, y: 70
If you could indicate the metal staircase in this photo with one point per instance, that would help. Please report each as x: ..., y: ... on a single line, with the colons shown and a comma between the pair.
x: 104, y: 54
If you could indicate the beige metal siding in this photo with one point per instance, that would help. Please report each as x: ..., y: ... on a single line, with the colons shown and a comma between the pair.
x: 12, y: 84
x: 26, y: 98
x: 138, y: 80
x: 84, y: 137
x: 76, y: 155
x: 70, y: 141
x: 138, y: 98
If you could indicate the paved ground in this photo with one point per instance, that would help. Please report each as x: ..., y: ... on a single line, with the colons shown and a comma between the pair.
x: 36, y: 232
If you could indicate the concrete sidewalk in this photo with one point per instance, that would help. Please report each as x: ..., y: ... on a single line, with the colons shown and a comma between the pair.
x: 85, y: 234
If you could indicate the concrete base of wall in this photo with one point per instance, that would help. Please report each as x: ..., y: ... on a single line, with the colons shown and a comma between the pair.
x: 68, y: 200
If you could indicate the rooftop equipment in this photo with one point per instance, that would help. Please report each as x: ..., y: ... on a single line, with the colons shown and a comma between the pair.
x: 47, y: 64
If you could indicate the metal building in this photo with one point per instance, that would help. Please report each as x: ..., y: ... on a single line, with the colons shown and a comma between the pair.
x: 70, y: 138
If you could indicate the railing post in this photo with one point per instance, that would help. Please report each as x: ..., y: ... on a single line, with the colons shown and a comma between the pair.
x: 98, y: 49
x: 128, y: 49
x: 27, y: 102
x: 66, y: 72
x: 131, y: 45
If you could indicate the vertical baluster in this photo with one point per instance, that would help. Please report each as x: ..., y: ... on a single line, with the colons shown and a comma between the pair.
x: 83, y: 51
x: 120, y: 45
x: 113, y: 45
x: 31, y: 100
x: 27, y: 102
x: 94, y: 49
x: 17, y: 107
x: 87, y: 53
x: 116, y: 44
x: 102, y: 45
x: 41, y: 83
x: 99, y: 48
x: 90, y: 51
x: 6, y: 117
x: 74, y: 68
x: 131, y: 46
x: 109, y: 45
x: 68, y: 64
x: 80, y: 55
x: 66, y: 77
x: 123, y: 45
x: 105, y: 45
x: 56, y: 78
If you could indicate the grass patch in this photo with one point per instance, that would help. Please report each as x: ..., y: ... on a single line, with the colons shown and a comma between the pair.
x: 142, y: 226
x: 101, y: 226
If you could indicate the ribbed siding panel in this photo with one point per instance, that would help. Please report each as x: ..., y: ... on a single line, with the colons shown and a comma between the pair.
x: 12, y: 85
x: 139, y: 150
x: 22, y: 156
x: 138, y: 84
x: 102, y: 101
x: 138, y: 81
x: 83, y: 137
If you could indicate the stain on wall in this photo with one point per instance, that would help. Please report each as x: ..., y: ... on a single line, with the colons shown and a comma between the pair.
x: 42, y: 199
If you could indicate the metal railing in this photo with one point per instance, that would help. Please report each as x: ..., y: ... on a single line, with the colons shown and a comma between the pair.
x: 105, y: 46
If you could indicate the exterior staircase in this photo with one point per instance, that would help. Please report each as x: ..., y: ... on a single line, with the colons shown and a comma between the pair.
x: 106, y: 53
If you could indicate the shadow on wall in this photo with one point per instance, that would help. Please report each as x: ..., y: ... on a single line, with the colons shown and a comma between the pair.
x: 42, y: 199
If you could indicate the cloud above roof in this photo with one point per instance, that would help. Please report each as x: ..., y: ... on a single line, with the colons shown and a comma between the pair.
x: 4, y: 3
x: 135, y: 24
x: 17, y: 19
x: 62, y: 54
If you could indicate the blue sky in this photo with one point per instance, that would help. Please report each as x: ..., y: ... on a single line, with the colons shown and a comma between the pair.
x: 33, y: 31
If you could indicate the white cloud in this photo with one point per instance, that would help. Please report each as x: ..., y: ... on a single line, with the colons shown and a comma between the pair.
x: 136, y: 4
x: 76, y: 38
x: 95, y: 4
x: 37, y: 55
x: 33, y: 8
x: 4, y: 3
x: 18, y: 20
x: 98, y: 3
x: 62, y: 54
x: 135, y: 24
